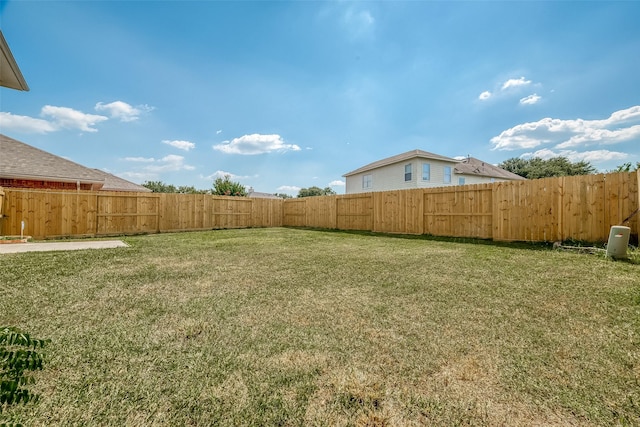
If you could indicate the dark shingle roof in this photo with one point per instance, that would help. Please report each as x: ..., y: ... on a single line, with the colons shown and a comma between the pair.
x: 473, y: 166
x: 22, y: 161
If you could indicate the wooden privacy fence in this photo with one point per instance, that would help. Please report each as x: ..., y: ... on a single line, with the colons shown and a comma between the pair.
x: 51, y: 213
x: 551, y: 209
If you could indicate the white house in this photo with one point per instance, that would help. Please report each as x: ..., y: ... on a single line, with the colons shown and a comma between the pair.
x: 421, y: 169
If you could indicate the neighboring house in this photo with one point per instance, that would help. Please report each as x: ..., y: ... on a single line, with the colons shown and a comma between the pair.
x: 258, y: 195
x: 421, y: 169
x: 24, y: 166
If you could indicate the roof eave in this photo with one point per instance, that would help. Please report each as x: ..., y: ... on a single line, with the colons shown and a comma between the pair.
x: 50, y: 178
x: 10, y: 75
x: 414, y: 154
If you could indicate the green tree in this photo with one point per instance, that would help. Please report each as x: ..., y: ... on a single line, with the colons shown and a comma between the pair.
x: 315, y: 191
x: 161, y: 187
x: 540, y: 168
x: 627, y: 167
x: 226, y: 187
x: 283, y: 195
x: 190, y: 189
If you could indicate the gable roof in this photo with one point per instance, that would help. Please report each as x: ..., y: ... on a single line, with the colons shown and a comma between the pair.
x: 115, y: 183
x: 414, y: 154
x: 473, y: 166
x: 22, y: 161
x: 10, y: 75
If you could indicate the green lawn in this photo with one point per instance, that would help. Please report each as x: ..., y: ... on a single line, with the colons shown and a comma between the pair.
x: 302, y: 327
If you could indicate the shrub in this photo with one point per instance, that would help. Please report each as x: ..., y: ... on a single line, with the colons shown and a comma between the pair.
x: 18, y: 355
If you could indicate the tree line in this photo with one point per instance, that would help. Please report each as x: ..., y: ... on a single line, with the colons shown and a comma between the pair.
x: 226, y: 187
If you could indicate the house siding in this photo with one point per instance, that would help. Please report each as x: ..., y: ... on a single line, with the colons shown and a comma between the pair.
x: 389, y: 174
x: 391, y: 177
x: 474, y: 179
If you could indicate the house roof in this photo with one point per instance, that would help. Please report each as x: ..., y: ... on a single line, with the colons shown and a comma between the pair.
x: 259, y: 195
x: 22, y: 161
x: 473, y: 166
x: 115, y: 183
x: 10, y: 75
x: 400, y: 158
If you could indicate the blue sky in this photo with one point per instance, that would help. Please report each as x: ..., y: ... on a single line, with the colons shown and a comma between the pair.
x: 283, y: 95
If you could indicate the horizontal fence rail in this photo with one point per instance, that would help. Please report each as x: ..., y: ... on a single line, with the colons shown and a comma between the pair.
x: 579, y: 208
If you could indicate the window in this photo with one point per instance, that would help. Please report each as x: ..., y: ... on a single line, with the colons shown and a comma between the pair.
x: 407, y: 172
x: 447, y: 174
x: 426, y: 171
x: 461, y: 180
x: 366, y: 181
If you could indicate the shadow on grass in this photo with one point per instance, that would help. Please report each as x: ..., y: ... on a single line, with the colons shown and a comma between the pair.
x: 429, y: 237
x: 587, y: 248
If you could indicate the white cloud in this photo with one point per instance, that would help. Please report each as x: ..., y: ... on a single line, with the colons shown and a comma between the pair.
x: 221, y: 174
x: 151, y: 168
x: 59, y: 118
x: 571, y: 133
x: 591, y: 136
x: 531, y: 99
x: 510, y: 88
x: 138, y: 177
x: 170, y: 163
x: 255, y: 144
x: 512, y: 83
x: 68, y: 118
x: 122, y: 111
x: 289, y: 189
x: 181, y: 145
x: 595, y: 156
x: 25, y: 124
x: 337, y: 183
x: 219, y: 131
x: 140, y: 159
x: 359, y: 23
x: 484, y: 95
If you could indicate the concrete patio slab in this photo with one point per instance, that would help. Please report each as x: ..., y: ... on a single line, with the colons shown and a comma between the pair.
x: 60, y: 246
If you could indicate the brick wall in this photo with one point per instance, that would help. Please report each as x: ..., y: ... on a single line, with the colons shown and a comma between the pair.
x: 41, y: 185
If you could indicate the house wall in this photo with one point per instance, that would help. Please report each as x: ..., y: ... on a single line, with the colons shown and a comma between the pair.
x: 391, y: 177
x: 42, y: 185
x: 474, y: 179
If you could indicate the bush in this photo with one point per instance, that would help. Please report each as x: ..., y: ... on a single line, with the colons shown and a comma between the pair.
x: 18, y: 355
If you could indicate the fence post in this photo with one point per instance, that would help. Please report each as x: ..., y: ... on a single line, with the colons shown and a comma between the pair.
x: 494, y: 210
x: 561, y: 231
x: 1, y: 210
x: 638, y: 200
